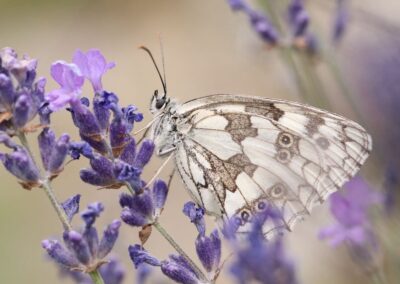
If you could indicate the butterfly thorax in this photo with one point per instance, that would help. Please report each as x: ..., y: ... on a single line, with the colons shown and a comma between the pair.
x: 166, y: 130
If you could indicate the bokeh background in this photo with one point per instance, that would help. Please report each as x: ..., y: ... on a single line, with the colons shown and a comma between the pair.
x: 208, y: 49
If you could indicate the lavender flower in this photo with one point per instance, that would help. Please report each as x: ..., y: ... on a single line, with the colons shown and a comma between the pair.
x: 83, y: 251
x: 208, y: 248
x: 350, y: 209
x: 175, y: 267
x: 52, y: 151
x: 70, y: 79
x: 20, y: 164
x: 260, y: 22
x: 256, y: 259
x: 93, y: 66
x: 145, y: 207
x: 298, y: 17
x: 20, y: 102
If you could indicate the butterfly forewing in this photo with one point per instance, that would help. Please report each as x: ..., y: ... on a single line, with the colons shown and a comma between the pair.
x: 237, y: 155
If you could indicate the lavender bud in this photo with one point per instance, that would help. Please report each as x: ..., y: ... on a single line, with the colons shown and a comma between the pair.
x: 160, y: 192
x: 109, y: 238
x: 143, y: 203
x: 119, y: 135
x: 59, y: 153
x: 263, y: 27
x: 103, y: 166
x: 129, y: 152
x: 92, y: 239
x: 76, y: 149
x: 131, y: 115
x: 145, y: 153
x: 57, y: 252
x: 139, y: 255
x: 20, y: 164
x: 133, y: 218
x: 101, y: 111
x: 196, y: 216
x: 7, y: 94
x: 23, y: 111
x: 178, y: 273
x: 46, y: 140
x: 209, y: 250
x: 71, y: 206
x: 94, y: 178
x: 7, y: 141
x: 91, y: 213
x: 298, y: 17
x: 79, y: 247
x: 125, y: 200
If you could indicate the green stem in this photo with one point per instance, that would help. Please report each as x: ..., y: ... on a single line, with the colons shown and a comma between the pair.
x: 378, y: 278
x: 56, y: 205
x: 96, y: 277
x: 175, y: 245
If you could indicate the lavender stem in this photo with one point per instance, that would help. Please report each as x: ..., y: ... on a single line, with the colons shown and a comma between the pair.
x: 96, y: 277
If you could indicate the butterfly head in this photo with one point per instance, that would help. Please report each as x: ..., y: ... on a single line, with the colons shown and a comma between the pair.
x: 158, y: 102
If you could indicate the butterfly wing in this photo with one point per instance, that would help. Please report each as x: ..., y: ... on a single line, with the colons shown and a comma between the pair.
x: 240, y: 154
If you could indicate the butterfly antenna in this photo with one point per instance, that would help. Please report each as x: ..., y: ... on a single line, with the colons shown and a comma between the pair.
x: 163, y: 61
x: 155, y: 65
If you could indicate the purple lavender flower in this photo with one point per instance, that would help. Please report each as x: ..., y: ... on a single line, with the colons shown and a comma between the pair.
x: 208, y: 248
x: 145, y: 207
x: 52, y: 151
x: 71, y: 206
x: 260, y: 22
x: 20, y: 164
x: 298, y: 17
x: 179, y: 270
x: 93, y: 66
x: 83, y: 251
x: 22, y: 101
x: 175, y: 267
x: 196, y: 216
x: 257, y: 259
x: 70, y: 79
x: 350, y: 209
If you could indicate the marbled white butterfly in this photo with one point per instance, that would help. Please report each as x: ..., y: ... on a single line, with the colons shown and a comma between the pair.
x: 237, y: 154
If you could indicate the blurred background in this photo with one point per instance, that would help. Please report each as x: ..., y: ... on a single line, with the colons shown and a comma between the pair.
x: 208, y: 49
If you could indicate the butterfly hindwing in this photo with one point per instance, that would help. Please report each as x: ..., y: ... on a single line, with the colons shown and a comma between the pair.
x: 240, y: 154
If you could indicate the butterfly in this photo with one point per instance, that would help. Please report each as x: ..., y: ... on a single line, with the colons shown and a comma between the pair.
x: 237, y: 155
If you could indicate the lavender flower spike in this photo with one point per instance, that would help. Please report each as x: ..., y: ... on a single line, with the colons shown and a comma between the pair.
x: 93, y: 66
x: 70, y: 79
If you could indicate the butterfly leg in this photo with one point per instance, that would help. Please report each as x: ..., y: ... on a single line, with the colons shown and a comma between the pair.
x: 161, y: 168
